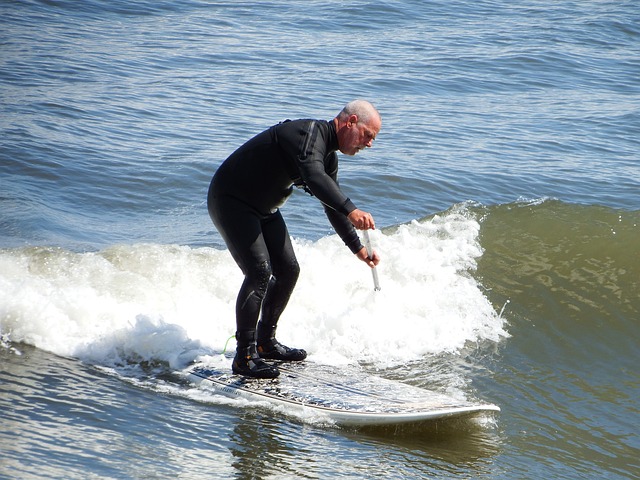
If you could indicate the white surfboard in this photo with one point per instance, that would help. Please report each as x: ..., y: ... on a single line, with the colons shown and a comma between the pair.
x: 344, y: 399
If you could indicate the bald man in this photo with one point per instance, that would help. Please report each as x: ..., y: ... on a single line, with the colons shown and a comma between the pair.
x: 244, y: 202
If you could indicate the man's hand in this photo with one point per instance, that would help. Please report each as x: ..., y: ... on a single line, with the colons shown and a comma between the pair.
x: 364, y: 256
x: 361, y: 220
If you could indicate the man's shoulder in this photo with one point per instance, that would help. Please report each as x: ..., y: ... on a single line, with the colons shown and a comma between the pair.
x: 296, y: 131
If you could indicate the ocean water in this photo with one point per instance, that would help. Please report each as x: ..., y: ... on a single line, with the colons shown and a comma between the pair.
x: 505, y: 185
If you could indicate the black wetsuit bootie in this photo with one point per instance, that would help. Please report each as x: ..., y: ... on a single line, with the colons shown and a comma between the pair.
x: 272, y: 349
x: 247, y: 362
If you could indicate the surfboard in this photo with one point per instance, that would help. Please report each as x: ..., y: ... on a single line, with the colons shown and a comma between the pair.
x: 353, y: 399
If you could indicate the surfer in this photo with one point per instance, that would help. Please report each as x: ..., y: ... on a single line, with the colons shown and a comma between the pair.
x: 244, y: 200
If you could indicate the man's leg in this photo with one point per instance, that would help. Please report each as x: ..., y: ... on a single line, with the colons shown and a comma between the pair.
x: 285, y: 271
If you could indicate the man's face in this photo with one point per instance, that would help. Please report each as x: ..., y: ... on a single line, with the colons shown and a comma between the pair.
x: 356, y: 135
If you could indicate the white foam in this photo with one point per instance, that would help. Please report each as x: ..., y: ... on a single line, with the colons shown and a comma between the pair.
x: 172, y: 303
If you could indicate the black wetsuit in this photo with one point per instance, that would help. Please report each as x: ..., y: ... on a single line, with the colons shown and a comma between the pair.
x: 244, y: 199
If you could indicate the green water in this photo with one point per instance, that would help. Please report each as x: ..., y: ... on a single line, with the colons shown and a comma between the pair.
x: 567, y: 276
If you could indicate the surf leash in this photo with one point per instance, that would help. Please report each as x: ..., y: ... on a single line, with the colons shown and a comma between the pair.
x: 227, y: 343
x: 374, y: 272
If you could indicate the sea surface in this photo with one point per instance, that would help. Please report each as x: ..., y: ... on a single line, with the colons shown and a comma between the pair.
x: 505, y: 185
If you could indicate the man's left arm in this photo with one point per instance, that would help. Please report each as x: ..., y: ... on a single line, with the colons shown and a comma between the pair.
x: 339, y: 221
x: 318, y: 170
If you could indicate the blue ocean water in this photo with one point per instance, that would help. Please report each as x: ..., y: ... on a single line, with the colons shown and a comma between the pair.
x: 505, y: 182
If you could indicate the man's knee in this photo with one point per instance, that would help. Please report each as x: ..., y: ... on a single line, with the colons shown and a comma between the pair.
x: 259, y: 276
x: 288, y: 272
